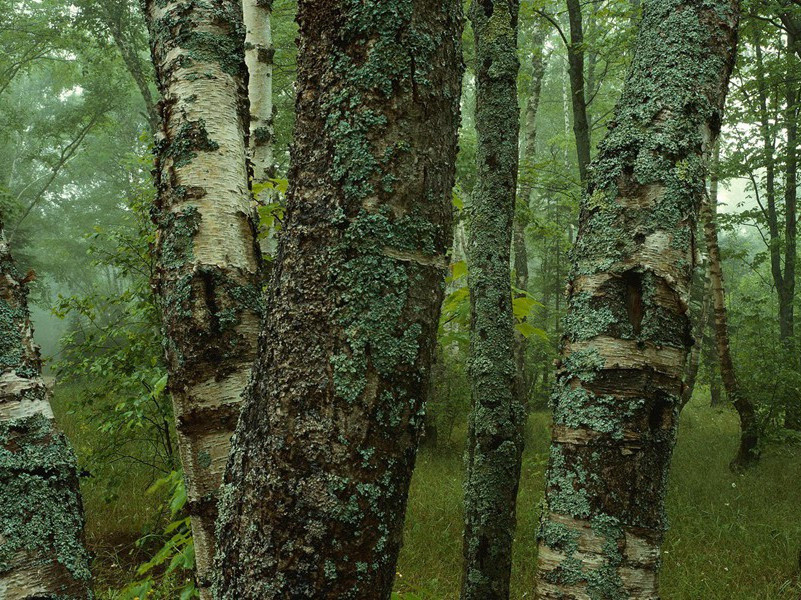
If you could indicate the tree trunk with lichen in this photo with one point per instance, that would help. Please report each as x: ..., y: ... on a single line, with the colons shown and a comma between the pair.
x: 259, y: 52
x: 207, y: 277
x: 627, y: 333
x: 316, y: 485
x: 41, y: 516
x: 495, y: 436
x: 748, y: 451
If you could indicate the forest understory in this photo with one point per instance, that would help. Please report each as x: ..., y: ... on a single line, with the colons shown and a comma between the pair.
x: 732, y: 537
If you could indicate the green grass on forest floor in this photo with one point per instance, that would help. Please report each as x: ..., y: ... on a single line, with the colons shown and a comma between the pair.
x: 731, y: 537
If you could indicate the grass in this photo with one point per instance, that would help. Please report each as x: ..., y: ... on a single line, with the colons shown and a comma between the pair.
x: 731, y: 537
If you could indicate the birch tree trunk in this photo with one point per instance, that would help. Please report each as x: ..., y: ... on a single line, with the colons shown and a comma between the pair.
x: 207, y: 277
x: 495, y: 435
x: 627, y: 332
x: 259, y: 53
x: 41, y: 516
x: 316, y: 485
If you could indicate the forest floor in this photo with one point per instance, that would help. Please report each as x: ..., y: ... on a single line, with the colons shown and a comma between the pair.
x: 732, y: 537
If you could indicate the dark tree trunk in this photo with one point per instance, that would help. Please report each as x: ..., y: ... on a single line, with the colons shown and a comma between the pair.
x: 41, y: 516
x: 207, y: 279
x: 627, y: 331
x: 787, y: 318
x: 495, y: 437
x: 700, y: 307
x: 575, y: 57
x: 317, y: 482
x: 748, y: 452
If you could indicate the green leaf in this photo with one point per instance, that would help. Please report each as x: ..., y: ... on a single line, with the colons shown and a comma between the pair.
x: 529, y: 331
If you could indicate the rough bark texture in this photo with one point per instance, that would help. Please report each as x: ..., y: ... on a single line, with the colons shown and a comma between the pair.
x: 627, y: 332
x: 495, y: 437
x: 259, y: 53
x: 41, y: 516
x: 317, y: 482
x: 575, y: 57
x: 748, y: 451
x: 207, y: 257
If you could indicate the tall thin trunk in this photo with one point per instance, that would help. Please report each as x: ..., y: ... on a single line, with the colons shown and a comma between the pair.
x: 700, y: 307
x: 748, y: 452
x: 495, y: 438
x: 259, y: 53
x: 787, y: 319
x: 769, y: 160
x: 319, y: 472
x: 207, y: 275
x: 575, y: 57
x: 627, y: 331
x: 528, y: 157
x: 41, y: 516
x: 528, y: 153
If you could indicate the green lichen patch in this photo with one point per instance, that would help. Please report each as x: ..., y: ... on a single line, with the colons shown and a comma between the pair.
x: 40, y: 509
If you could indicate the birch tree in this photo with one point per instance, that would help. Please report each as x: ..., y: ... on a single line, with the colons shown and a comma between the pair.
x: 208, y: 261
x: 316, y: 486
x: 627, y: 331
x: 259, y: 54
x: 41, y: 516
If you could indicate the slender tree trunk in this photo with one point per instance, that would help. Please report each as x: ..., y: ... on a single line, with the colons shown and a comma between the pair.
x: 528, y: 156
x: 787, y: 322
x: 700, y: 307
x: 769, y: 160
x: 495, y: 437
x: 521, y: 283
x: 207, y: 274
x: 41, y: 516
x: 316, y: 485
x: 528, y: 153
x: 259, y: 54
x: 575, y: 57
x: 627, y: 331
x: 748, y: 452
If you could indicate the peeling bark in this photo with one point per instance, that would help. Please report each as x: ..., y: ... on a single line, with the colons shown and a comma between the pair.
x: 316, y: 485
x: 207, y: 277
x: 495, y: 436
x: 42, y: 554
x: 627, y: 332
